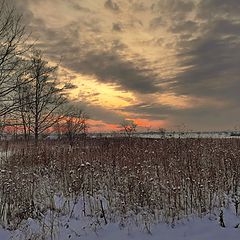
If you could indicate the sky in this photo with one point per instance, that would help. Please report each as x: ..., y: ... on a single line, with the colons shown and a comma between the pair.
x: 171, y: 64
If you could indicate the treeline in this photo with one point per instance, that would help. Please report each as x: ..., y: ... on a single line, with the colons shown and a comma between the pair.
x: 33, y: 100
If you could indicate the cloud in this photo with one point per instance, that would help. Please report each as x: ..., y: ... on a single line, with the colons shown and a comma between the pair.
x: 139, y: 6
x: 176, y: 9
x: 70, y: 86
x: 203, y: 117
x: 109, y: 67
x: 110, y: 4
x: 117, y: 27
x: 184, y: 27
x: 90, y: 58
x: 218, y: 8
x: 75, y: 5
x: 156, y: 22
x: 187, y: 47
x: 212, y: 59
x: 97, y: 112
x: 153, y: 111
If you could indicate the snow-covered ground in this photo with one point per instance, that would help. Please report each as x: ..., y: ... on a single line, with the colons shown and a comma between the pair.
x: 174, y: 134
x: 75, y: 226
x: 213, y: 135
x: 60, y: 200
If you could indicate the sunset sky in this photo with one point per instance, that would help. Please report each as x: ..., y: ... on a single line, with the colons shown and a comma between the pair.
x: 161, y: 63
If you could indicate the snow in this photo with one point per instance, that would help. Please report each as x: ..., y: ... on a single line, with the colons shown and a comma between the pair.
x: 173, y: 134
x: 75, y: 226
x: 188, y: 135
x: 4, y: 235
x: 194, y: 229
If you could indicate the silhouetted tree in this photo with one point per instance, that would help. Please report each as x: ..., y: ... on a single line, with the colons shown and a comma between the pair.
x: 13, y: 48
x: 129, y: 127
x: 42, y: 98
x: 74, y: 123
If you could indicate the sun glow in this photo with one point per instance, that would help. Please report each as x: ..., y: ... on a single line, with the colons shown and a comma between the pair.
x: 90, y: 90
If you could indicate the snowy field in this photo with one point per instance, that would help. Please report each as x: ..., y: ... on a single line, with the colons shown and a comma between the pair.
x: 75, y: 226
x: 175, y: 134
x: 115, y: 189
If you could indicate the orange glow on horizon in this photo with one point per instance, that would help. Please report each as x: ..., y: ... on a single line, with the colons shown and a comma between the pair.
x: 152, y: 124
x: 100, y: 126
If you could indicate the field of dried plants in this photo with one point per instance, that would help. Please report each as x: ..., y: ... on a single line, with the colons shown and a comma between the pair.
x: 117, y: 180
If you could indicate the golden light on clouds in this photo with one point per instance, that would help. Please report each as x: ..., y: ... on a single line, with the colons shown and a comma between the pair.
x: 172, y: 100
x: 159, y: 62
x: 140, y: 43
x: 90, y: 90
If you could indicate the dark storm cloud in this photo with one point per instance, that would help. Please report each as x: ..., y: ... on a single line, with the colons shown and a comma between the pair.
x: 212, y: 59
x: 225, y: 27
x: 213, y: 68
x: 109, y: 67
x: 211, y: 62
x: 218, y: 8
x: 206, y: 117
x: 175, y: 14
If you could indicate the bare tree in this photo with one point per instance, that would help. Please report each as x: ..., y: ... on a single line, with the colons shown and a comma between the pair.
x: 24, y: 99
x: 129, y: 127
x: 41, y: 98
x: 162, y: 132
x: 74, y: 123
x: 2, y: 125
x: 13, y: 39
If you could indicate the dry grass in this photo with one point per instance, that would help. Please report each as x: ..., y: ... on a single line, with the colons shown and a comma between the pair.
x: 148, y: 180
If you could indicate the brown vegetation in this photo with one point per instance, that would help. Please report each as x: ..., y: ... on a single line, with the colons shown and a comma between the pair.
x: 152, y: 180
